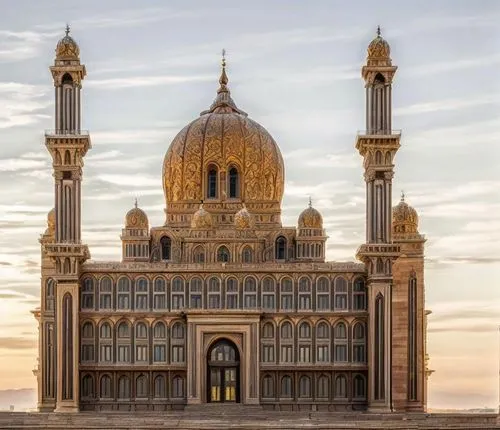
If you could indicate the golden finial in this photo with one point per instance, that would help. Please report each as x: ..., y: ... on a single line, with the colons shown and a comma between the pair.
x: 67, y: 29
x: 223, y: 80
x: 378, y: 31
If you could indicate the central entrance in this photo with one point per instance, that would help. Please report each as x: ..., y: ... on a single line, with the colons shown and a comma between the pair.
x: 223, y: 371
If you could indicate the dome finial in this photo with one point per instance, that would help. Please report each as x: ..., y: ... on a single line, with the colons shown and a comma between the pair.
x: 67, y: 29
x: 378, y: 31
x: 310, y: 202
x: 402, y: 196
x: 223, y: 80
x: 135, y: 203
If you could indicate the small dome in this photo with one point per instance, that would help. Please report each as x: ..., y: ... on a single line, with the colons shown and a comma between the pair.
x: 67, y: 48
x: 243, y: 219
x: 51, y: 221
x: 310, y: 218
x: 404, y: 218
x: 136, y: 218
x: 202, y: 219
x: 379, y: 51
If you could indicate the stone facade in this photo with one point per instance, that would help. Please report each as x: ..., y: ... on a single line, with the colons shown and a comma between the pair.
x: 224, y: 304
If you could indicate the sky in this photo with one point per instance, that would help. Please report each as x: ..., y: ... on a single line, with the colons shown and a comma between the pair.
x: 294, y: 66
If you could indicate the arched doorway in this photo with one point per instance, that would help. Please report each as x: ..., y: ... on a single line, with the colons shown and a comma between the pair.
x: 223, y: 371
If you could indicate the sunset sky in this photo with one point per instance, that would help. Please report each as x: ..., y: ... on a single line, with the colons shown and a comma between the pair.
x: 294, y: 66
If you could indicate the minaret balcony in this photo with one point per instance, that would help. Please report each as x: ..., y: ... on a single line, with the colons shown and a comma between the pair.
x: 67, y: 133
x: 386, y: 133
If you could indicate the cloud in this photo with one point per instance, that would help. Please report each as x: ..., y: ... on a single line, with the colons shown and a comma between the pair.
x: 17, y: 343
x: 22, y: 104
x: 447, y: 105
x: 452, y: 65
x: 21, y: 45
x: 465, y: 328
x: 145, y: 81
x: 135, y: 136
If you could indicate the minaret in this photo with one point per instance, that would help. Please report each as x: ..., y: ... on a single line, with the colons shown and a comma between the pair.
x: 67, y: 145
x: 378, y: 145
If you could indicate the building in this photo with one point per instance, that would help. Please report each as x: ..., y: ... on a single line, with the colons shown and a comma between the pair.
x: 223, y: 303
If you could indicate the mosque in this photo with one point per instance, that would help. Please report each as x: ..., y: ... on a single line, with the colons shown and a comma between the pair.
x: 223, y: 303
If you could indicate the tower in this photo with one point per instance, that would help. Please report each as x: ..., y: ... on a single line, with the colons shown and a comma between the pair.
x: 409, y: 317
x: 378, y: 145
x: 62, y: 252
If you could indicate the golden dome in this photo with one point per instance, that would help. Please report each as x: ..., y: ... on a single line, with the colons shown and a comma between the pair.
x: 379, y: 51
x: 202, y: 219
x: 223, y: 137
x: 404, y: 218
x: 136, y: 218
x: 67, y: 48
x: 51, y: 221
x: 243, y: 219
x: 310, y: 218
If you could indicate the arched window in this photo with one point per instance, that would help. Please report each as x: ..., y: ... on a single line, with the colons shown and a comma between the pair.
x: 223, y: 255
x: 141, y: 294
x: 286, y: 386
x: 123, y: 330
x: 232, y: 293
x: 247, y: 255
x: 141, y: 342
x: 280, y: 248
x: 380, y: 265
x: 268, y: 331
x: 141, y: 331
x: 305, y: 386
x: 268, y: 340
x: 199, y: 254
x: 87, y: 293
x: 322, y: 342
x: 268, y: 386
x: 268, y: 294
x: 305, y: 294
x: 340, y: 333
x: 177, y: 344
x: 87, y: 342
x: 234, y: 183
x: 88, y: 386
x: 178, y: 387
x: 123, y: 293
x: 105, y: 291
x: 105, y: 387
x: 286, y: 331
x: 124, y: 387
x: 286, y: 294
x: 286, y: 342
x: 388, y: 158
x: 341, y: 386
x: 323, y: 294
x: 178, y: 293
x: 359, y: 295
x: 378, y: 157
x: 305, y: 330
x: 105, y: 343
x: 359, y: 387
x: 50, y: 294
x: 159, y: 342
x: 358, y: 343
x: 166, y: 248
x: 160, y: 387
x: 123, y: 342
x: 323, y: 387
x: 195, y: 293
x: 250, y: 293
x: 159, y: 294
x: 340, y: 294
x: 141, y: 386
x: 212, y: 182
x: 214, y: 293
x: 305, y: 342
